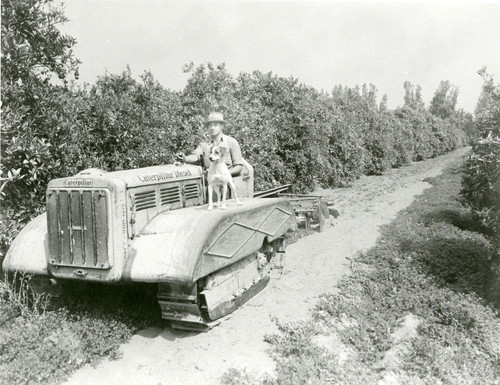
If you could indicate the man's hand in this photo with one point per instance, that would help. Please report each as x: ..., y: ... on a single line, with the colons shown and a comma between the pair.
x: 180, y: 157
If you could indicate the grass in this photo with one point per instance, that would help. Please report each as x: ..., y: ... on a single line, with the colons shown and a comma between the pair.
x: 432, y: 265
x: 43, y: 344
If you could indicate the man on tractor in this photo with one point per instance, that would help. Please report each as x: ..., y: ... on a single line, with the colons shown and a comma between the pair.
x: 214, y: 125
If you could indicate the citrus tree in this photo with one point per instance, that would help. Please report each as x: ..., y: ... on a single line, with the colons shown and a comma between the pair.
x: 37, y: 67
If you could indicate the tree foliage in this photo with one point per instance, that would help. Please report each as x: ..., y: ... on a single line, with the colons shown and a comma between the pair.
x: 481, y: 184
x: 413, y: 96
x: 34, y: 120
x: 33, y: 49
x: 445, y: 100
x: 37, y: 65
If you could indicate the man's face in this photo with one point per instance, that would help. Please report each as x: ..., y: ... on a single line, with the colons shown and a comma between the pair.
x: 214, y: 128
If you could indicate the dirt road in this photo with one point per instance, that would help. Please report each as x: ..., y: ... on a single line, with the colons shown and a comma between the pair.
x: 314, y: 266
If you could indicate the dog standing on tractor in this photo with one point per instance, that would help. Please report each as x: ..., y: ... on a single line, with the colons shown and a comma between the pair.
x: 219, y: 178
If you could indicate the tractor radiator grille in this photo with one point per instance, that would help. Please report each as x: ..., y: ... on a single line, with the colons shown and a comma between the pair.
x: 191, y: 191
x: 78, y: 228
x: 170, y: 195
x: 145, y: 200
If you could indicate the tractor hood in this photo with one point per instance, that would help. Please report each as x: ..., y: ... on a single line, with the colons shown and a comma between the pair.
x: 184, y: 245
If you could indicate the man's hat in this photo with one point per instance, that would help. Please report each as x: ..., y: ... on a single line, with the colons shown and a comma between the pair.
x: 215, y: 117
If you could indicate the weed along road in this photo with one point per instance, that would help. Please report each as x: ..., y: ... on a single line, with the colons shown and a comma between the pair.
x: 313, y: 266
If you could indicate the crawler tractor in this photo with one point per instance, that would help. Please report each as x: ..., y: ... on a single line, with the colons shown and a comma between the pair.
x: 152, y: 225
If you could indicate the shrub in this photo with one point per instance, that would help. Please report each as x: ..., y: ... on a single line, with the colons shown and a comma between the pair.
x: 481, y: 182
x: 39, y: 345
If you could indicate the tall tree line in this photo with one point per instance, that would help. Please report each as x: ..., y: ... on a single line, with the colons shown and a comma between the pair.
x: 290, y: 132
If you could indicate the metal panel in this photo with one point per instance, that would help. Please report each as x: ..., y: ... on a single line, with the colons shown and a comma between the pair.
x: 101, y: 229
x: 192, y: 194
x: 274, y: 221
x: 78, y: 228
x: 170, y: 195
x: 237, y: 234
x: 64, y: 232
x: 88, y: 223
x: 231, y: 240
x: 53, y: 225
x: 145, y: 200
x: 191, y: 191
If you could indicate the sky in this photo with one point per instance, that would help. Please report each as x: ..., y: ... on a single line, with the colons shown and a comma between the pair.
x: 320, y: 43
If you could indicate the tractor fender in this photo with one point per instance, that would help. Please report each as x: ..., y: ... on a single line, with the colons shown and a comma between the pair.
x: 183, y: 245
x: 29, y: 251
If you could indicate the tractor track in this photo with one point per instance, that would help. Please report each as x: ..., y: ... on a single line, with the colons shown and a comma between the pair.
x: 314, y: 265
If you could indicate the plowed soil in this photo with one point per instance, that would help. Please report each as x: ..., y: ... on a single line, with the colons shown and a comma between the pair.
x: 314, y: 265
